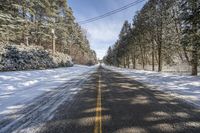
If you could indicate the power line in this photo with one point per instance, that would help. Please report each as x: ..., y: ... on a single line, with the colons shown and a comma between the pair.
x: 111, y: 12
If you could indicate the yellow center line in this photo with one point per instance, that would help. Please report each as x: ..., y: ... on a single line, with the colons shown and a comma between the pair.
x: 98, y: 119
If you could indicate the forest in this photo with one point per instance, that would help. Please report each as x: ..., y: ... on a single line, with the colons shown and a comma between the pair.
x: 163, y: 36
x: 49, y: 24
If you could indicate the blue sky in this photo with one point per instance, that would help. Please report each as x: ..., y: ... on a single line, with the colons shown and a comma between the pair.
x: 102, y: 33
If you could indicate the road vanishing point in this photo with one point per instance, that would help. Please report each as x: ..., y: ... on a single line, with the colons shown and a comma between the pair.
x: 109, y: 102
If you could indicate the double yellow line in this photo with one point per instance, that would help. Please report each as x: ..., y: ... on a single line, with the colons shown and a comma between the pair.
x: 98, y: 119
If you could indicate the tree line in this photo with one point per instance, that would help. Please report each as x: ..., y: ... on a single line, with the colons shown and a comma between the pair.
x: 38, y: 22
x: 163, y: 32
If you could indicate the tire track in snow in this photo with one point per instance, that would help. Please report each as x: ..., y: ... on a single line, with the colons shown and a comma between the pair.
x: 44, y: 106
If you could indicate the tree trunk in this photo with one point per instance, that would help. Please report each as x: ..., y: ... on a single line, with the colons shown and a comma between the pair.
x: 195, y: 51
x: 186, y: 55
x: 53, y: 44
x: 128, y: 61
x: 124, y: 62
x: 24, y: 25
x: 142, y: 54
x: 194, y: 62
x: 160, y: 49
x: 159, y: 58
x: 133, y: 59
x: 153, y: 57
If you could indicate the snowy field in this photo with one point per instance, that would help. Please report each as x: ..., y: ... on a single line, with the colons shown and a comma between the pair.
x: 20, y: 87
x: 184, y: 87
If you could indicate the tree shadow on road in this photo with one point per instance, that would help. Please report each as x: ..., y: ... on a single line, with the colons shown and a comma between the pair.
x: 127, y: 107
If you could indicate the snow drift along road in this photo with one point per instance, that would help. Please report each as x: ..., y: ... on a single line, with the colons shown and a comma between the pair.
x: 184, y: 87
x: 28, y: 97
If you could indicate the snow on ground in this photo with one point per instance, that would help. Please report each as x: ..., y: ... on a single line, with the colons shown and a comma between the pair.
x: 18, y: 88
x: 184, y: 87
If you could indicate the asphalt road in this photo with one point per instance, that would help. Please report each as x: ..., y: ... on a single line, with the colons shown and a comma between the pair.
x: 112, y: 103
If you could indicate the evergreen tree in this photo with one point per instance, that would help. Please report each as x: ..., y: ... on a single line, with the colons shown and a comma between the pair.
x: 31, y: 22
x: 163, y: 33
x: 191, y: 28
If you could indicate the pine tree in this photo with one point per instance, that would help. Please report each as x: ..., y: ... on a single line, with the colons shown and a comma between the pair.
x: 31, y: 22
x: 109, y: 58
x: 191, y: 28
x: 155, y: 36
x: 123, y: 41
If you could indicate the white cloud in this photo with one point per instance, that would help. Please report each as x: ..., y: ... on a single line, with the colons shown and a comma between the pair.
x: 101, y: 53
x: 103, y: 33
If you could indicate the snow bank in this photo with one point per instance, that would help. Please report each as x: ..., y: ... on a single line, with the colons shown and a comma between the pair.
x: 184, y: 87
x: 18, y: 88
x: 20, y: 57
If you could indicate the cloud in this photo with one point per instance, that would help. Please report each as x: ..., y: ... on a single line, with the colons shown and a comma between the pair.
x: 103, y: 33
x: 101, y: 53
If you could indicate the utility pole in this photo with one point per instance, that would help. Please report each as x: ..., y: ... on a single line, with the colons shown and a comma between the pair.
x: 27, y: 42
x: 53, y: 41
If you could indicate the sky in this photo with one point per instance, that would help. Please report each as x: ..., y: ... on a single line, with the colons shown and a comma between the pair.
x: 103, y: 33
